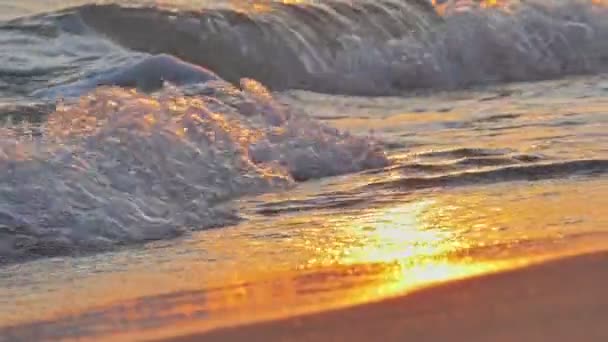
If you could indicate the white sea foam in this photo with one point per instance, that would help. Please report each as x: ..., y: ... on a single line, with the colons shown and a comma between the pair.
x: 118, y: 167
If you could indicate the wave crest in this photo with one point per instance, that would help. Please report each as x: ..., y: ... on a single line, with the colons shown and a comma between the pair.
x: 369, y: 48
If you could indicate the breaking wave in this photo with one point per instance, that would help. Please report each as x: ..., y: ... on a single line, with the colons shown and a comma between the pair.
x: 119, y: 167
x: 361, y: 47
x: 370, y: 48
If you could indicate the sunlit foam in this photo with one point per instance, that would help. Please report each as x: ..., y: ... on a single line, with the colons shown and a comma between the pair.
x: 121, y: 166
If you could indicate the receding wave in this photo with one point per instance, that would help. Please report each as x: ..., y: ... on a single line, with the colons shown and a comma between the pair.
x: 510, y: 173
x: 443, y: 169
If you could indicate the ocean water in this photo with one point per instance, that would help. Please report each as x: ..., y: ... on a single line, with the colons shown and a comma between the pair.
x: 178, y: 165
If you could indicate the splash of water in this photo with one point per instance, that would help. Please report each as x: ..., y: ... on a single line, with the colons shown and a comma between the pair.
x: 119, y: 167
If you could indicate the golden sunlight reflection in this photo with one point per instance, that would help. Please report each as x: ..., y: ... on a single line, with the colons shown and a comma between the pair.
x: 352, y: 258
x: 414, y: 251
x: 310, y: 261
x: 395, y: 233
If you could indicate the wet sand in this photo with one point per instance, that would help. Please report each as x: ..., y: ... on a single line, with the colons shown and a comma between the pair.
x: 562, y: 300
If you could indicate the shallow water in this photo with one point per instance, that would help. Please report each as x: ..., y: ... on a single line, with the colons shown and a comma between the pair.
x: 429, y: 185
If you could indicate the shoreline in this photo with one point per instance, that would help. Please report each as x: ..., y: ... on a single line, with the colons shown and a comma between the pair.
x: 559, y: 300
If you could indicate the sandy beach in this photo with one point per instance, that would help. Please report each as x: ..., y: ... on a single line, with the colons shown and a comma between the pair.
x: 562, y: 300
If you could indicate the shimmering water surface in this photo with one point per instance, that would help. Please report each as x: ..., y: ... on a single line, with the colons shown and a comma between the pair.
x: 382, y: 162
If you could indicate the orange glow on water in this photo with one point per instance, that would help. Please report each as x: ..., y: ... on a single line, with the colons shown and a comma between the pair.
x: 412, y: 251
x: 444, y: 7
x: 452, y: 6
x: 337, y: 260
